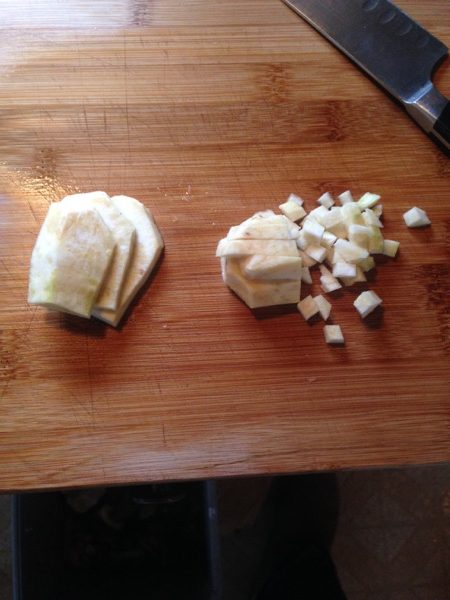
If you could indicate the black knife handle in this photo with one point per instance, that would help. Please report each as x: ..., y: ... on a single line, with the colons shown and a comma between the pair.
x: 442, y: 125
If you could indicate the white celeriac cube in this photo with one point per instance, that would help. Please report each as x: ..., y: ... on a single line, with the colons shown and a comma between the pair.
x: 328, y: 239
x: 367, y: 302
x: 343, y: 269
x: 324, y: 306
x: 333, y: 334
x: 345, y: 197
x: 416, y: 217
x: 292, y: 210
x: 359, y: 235
x: 368, y: 200
x: 350, y: 252
x: 316, y: 252
x: 306, y: 275
x: 390, y: 248
x: 313, y: 231
x: 307, y: 307
x: 371, y: 218
x: 326, y: 200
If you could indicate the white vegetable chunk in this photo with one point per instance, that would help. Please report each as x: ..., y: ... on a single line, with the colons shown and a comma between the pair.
x: 273, y: 267
x: 326, y: 200
x: 368, y: 200
x: 329, y: 283
x: 316, y: 252
x: 358, y: 278
x: 367, y: 302
x: 308, y: 308
x: 343, y: 269
x: 371, y: 219
x: 124, y: 235
x: 292, y: 210
x: 333, y: 334
x: 324, y: 306
x: 345, y: 197
x: 275, y: 227
x: 367, y: 264
x: 390, y: 248
x: 306, y: 260
x: 328, y: 239
x: 350, y: 252
x: 376, y: 241
x: 70, y: 259
x: 148, y: 248
x: 378, y: 210
x: 248, y: 247
x: 302, y: 242
x: 416, y: 217
x: 359, y: 235
x: 258, y: 293
x: 318, y: 214
x: 313, y: 231
x: 352, y: 214
x: 306, y: 275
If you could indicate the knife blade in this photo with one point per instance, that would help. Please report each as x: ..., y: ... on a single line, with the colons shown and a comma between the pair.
x: 392, y: 48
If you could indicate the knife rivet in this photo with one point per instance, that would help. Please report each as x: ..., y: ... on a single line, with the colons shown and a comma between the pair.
x: 388, y: 16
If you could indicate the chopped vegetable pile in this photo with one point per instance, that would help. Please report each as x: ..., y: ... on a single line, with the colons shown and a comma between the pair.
x: 266, y: 258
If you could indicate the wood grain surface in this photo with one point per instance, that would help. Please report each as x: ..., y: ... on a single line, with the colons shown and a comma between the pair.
x: 208, y: 111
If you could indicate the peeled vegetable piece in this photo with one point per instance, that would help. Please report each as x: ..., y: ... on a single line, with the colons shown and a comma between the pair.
x: 124, y: 235
x: 148, y: 247
x: 70, y: 259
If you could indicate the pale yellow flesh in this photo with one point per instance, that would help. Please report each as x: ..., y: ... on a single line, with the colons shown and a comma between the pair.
x: 148, y: 247
x: 124, y: 235
x: 70, y: 259
x: 258, y: 293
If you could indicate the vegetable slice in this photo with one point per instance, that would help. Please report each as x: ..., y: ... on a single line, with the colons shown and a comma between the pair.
x: 148, y: 247
x: 70, y: 259
x: 124, y: 235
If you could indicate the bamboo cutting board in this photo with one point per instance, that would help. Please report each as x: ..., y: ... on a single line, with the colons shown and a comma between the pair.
x: 208, y: 111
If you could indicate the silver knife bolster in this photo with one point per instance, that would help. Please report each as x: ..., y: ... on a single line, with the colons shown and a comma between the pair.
x: 427, y: 109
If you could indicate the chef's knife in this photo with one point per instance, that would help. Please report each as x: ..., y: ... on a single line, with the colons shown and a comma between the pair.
x: 397, y: 52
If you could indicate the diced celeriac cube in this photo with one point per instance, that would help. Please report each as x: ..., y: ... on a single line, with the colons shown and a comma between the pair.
x: 316, y: 252
x: 326, y: 200
x: 307, y: 307
x: 378, y: 210
x: 276, y: 227
x: 352, y: 215
x: 376, y: 241
x: 292, y: 210
x: 358, y: 278
x: 329, y: 283
x: 390, y: 248
x: 318, y: 214
x: 296, y: 199
x: 313, y: 231
x: 324, y: 306
x: 333, y: 334
x: 416, y: 217
x: 343, y: 269
x: 334, y: 222
x: 359, y: 235
x: 272, y: 268
x: 371, y: 219
x: 350, y: 252
x: 306, y: 260
x: 345, y: 197
x: 306, y: 275
x: 367, y: 302
x: 328, y: 239
x: 367, y: 264
x: 302, y: 242
x: 368, y: 200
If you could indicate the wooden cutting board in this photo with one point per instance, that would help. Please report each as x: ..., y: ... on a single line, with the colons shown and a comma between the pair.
x: 208, y: 111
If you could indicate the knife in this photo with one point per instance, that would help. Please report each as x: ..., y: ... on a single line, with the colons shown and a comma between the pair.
x: 392, y: 48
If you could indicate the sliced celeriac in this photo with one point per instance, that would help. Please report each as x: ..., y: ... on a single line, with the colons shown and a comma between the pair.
x: 258, y: 293
x: 416, y: 217
x: 70, y: 259
x: 343, y: 269
x: 367, y: 264
x: 352, y: 214
x: 376, y: 241
x: 306, y: 275
x: 333, y: 334
x: 328, y: 239
x: 269, y: 247
x: 371, y: 219
x: 359, y: 235
x: 308, y: 308
x: 257, y: 228
x: 273, y: 267
x: 316, y: 252
x: 367, y: 302
x: 148, y: 248
x: 313, y: 231
x: 318, y: 214
x: 124, y: 235
x: 306, y: 260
